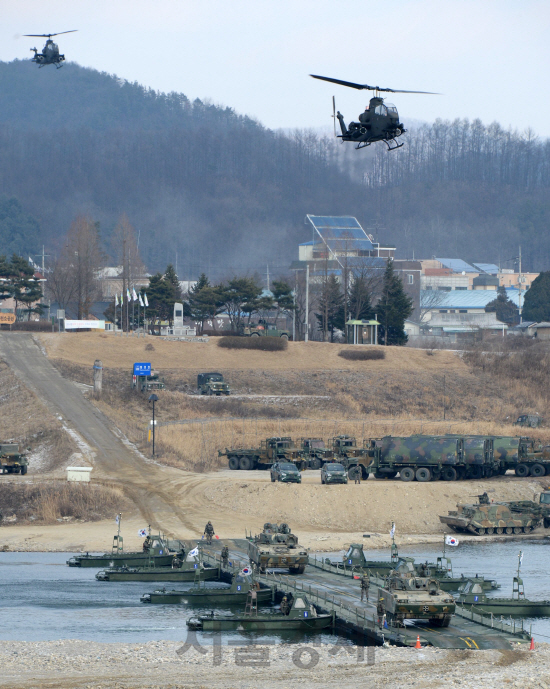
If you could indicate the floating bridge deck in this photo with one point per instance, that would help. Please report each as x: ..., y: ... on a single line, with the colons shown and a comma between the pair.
x: 339, y: 591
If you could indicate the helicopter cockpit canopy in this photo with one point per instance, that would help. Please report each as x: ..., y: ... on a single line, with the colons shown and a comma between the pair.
x: 380, y: 110
x: 392, y: 110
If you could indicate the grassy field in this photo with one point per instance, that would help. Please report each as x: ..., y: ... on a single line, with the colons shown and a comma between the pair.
x: 307, y: 390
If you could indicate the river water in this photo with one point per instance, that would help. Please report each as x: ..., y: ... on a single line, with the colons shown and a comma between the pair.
x: 42, y: 599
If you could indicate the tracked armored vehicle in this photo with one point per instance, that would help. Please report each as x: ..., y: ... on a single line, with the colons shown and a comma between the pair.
x: 277, y: 547
x: 519, y: 516
x: 409, y: 597
x: 12, y: 460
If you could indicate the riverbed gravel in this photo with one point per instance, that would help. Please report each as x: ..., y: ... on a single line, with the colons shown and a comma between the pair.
x: 164, y: 664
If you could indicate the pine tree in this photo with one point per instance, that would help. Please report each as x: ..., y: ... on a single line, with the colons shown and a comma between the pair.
x: 506, y: 310
x: 393, y: 309
x: 331, y: 306
x: 25, y: 288
x: 537, y: 299
x: 205, y: 301
x: 359, y: 304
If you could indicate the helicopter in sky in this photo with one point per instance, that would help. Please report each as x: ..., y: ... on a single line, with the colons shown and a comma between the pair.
x: 379, y: 122
x: 50, y: 52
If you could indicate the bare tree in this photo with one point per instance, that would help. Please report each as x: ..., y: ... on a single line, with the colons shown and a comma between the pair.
x: 430, y: 300
x: 84, y: 257
x: 61, y: 283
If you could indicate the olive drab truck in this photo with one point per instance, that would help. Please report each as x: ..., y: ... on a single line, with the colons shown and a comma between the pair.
x: 263, y: 329
x: 314, y: 451
x: 212, y: 384
x: 526, y: 456
x: 270, y: 451
x: 12, y: 459
x: 355, y: 459
x: 426, y: 458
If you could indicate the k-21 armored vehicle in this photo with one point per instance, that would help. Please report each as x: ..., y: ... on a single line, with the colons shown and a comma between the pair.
x: 485, y: 517
x: 12, y: 460
x: 270, y: 451
x: 277, y: 547
x: 212, y: 384
x: 410, y: 597
x: 427, y: 458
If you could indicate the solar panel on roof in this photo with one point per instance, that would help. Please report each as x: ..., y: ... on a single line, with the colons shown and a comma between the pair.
x: 326, y: 221
x: 457, y: 265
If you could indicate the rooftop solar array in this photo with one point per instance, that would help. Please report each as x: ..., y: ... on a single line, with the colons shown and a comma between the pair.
x: 339, y: 232
x: 457, y: 265
x: 490, y: 268
x: 463, y: 299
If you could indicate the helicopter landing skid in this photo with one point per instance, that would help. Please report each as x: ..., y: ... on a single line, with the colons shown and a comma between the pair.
x: 363, y: 144
x: 394, y: 148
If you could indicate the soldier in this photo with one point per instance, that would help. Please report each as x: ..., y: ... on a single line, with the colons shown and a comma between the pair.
x: 209, y: 532
x: 176, y: 562
x: 147, y: 543
x: 365, y: 588
x: 284, y: 606
x: 225, y: 556
x: 484, y: 499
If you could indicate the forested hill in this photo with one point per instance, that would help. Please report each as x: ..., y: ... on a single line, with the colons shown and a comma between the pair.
x: 226, y: 194
x: 218, y: 188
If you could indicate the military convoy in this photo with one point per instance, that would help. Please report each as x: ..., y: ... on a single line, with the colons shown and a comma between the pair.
x: 486, y: 517
x: 276, y: 546
x: 212, y: 384
x: 417, y: 457
x: 12, y: 459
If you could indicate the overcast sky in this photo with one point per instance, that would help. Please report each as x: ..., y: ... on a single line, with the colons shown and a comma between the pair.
x: 489, y: 58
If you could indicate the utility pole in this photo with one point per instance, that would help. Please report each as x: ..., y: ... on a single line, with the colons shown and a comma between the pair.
x: 519, y: 284
x: 306, y: 337
x: 268, y: 288
x: 294, y: 309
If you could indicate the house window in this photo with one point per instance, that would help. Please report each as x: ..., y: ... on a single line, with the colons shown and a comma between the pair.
x: 462, y: 310
x: 461, y: 288
x: 452, y: 311
x: 442, y: 310
x: 411, y: 279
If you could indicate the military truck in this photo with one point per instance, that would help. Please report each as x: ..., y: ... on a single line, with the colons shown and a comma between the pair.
x: 427, y: 458
x: 277, y: 547
x: 12, y: 459
x: 270, y: 451
x: 405, y: 596
x: 263, y: 329
x: 530, y: 420
x: 147, y: 383
x: 485, y: 517
x: 314, y: 452
x: 355, y: 459
x: 526, y: 456
x: 212, y: 384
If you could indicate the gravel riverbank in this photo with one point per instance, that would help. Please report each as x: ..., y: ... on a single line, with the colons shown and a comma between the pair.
x: 158, y: 665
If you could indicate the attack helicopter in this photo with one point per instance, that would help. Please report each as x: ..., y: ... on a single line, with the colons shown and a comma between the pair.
x: 379, y: 122
x: 50, y: 52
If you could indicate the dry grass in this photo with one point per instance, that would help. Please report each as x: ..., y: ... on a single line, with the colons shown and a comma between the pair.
x: 58, y: 500
x: 264, y: 344
x: 362, y: 354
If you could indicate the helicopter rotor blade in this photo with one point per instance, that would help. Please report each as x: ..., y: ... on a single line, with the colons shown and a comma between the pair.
x: 48, y: 35
x: 366, y: 87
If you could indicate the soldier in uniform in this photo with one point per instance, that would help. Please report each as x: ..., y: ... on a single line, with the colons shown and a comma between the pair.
x: 484, y: 499
x: 365, y: 587
x: 209, y: 532
x: 225, y: 556
x: 147, y: 543
x: 176, y: 562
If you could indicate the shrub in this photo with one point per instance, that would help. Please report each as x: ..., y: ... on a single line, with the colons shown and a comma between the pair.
x: 362, y: 354
x: 149, y: 347
x: 266, y: 343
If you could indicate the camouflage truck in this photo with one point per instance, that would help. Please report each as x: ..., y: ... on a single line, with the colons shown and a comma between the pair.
x: 406, y: 596
x: 147, y: 383
x: 270, y: 451
x: 277, y: 547
x: 427, y: 458
x: 264, y: 330
x: 529, y: 420
x: 355, y: 459
x: 526, y: 456
x: 12, y: 460
x: 212, y: 384
x: 485, y: 517
x: 314, y: 452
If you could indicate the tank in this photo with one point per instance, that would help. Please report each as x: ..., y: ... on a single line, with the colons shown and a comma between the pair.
x: 277, y: 547
x: 521, y: 516
x: 406, y: 596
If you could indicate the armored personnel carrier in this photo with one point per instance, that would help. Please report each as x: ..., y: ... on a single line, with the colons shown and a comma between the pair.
x: 277, y: 547
x: 406, y: 596
x: 485, y: 517
x: 12, y: 460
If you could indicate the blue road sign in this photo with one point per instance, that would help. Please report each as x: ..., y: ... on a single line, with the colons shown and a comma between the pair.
x: 142, y: 369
